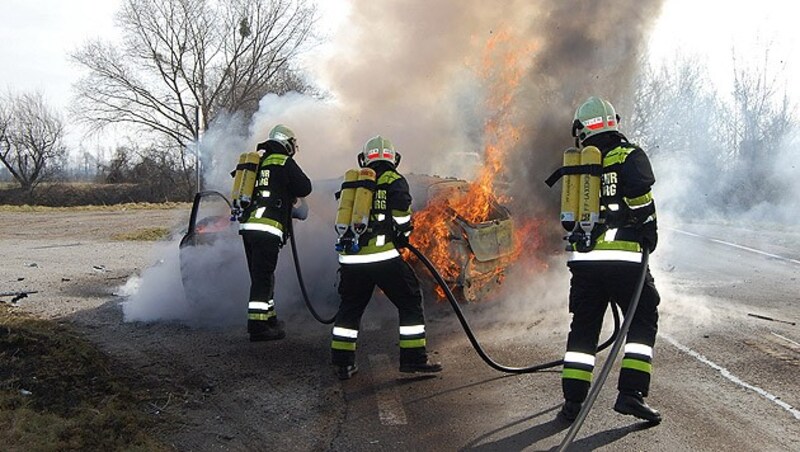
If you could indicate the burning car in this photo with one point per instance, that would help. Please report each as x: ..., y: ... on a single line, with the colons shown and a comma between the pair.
x: 466, y: 233
x: 468, y: 236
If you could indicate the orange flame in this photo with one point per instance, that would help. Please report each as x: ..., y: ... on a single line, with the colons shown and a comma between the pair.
x: 502, y: 66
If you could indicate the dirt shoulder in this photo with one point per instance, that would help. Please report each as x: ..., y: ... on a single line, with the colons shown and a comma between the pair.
x: 214, y: 389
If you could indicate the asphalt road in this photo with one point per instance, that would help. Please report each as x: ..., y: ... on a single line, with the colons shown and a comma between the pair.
x: 725, y: 377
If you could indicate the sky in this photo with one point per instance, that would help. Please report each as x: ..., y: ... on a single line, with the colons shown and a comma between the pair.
x: 38, y: 36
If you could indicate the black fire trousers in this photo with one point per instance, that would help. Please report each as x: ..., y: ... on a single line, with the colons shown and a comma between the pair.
x: 399, y: 283
x: 592, y: 287
x: 261, y: 250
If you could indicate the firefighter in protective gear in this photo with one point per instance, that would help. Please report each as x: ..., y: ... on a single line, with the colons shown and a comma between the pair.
x: 609, y: 269
x: 377, y: 262
x: 264, y: 224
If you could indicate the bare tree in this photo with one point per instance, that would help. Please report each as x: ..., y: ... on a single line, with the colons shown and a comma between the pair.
x: 760, y: 121
x: 183, y: 62
x: 31, y: 139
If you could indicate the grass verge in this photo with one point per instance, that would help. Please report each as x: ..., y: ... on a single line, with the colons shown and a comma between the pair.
x: 143, y: 234
x: 58, y: 392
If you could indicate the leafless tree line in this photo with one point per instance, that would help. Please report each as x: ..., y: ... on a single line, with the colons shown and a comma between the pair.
x: 727, y: 140
x: 183, y: 62
x: 31, y: 138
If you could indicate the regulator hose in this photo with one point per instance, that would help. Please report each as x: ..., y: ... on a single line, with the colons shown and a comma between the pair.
x: 612, y: 356
x: 302, y: 284
x: 477, y: 346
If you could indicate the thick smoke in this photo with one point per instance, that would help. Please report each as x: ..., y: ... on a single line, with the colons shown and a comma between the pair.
x: 416, y: 72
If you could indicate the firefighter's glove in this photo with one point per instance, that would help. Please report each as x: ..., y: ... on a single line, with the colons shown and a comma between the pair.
x: 649, y: 235
x: 402, y: 232
x: 262, y: 146
x: 300, y: 209
x: 616, y: 218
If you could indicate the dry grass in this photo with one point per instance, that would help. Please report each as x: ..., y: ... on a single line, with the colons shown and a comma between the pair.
x: 92, y: 208
x: 57, y: 392
x: 143, y: 234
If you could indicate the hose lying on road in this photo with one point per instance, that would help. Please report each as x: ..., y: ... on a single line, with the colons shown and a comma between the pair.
x: 477, y: 346
x: 612, y: 356
x: 302, y: 284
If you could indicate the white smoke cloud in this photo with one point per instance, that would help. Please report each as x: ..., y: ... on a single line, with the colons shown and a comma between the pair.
x: 410, y: 73
x: 203, y: 286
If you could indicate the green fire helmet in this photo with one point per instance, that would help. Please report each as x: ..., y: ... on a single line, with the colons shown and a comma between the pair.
x: 285, y: 136
x: 593, y: 117
x: 378, y: 149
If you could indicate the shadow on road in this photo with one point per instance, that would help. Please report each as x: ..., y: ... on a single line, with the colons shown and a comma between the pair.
x: 537, y: 433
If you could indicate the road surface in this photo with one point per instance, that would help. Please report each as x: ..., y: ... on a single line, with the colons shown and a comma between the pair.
x: 725, y: 370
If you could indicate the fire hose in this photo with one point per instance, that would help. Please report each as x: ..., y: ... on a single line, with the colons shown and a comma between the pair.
x: 302, y: 284
x: 477, y: 346
x: 612, y: 356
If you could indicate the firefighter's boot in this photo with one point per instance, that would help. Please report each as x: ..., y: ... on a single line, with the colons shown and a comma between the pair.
x: 632, y: 403
x: 273, y: 331
x: 569, y: 412
x: 345, y: 372
x: 426, y: 366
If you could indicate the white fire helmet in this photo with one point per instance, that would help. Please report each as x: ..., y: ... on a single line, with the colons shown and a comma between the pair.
x: 285, y: 136
x: 593, y: 117
x: 378, y: 149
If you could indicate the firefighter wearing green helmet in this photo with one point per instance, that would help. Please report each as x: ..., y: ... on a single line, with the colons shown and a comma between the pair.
x: 609, y: 269
x: 377, y: 262
x: 280, y: 183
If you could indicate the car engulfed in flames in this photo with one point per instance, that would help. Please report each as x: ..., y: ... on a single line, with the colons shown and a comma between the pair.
x: 471, y: 255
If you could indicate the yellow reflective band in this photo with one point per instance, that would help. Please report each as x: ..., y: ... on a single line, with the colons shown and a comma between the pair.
x: 346, y: 346
x: 402, y: 219
x: 275, y: 159
x: 263, y: 227
x: 412, y: 343
x: 617, y: 155
x: 388, y: 177
x: 260, y: 315
x: 619, y: 245
x: 635, y: 364
x: 640, y: 201
x: 576, y: 374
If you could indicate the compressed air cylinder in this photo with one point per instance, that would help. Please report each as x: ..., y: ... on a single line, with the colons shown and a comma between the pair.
x: 236, y: 189
x: 589, y: 206
x: 570, y: 190
x: 249, y: 173
x: 344, y: 213
x: 362, y: 204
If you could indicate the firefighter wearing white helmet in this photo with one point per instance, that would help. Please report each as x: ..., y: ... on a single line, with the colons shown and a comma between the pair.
x: 263, y: 225
x: 608, y: 270
x: 377, y: 262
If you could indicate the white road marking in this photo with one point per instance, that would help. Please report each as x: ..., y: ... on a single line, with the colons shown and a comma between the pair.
x: 741, y: 247
x: 727, y: 374
x: 390, y: 409
x: 785, y: 338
